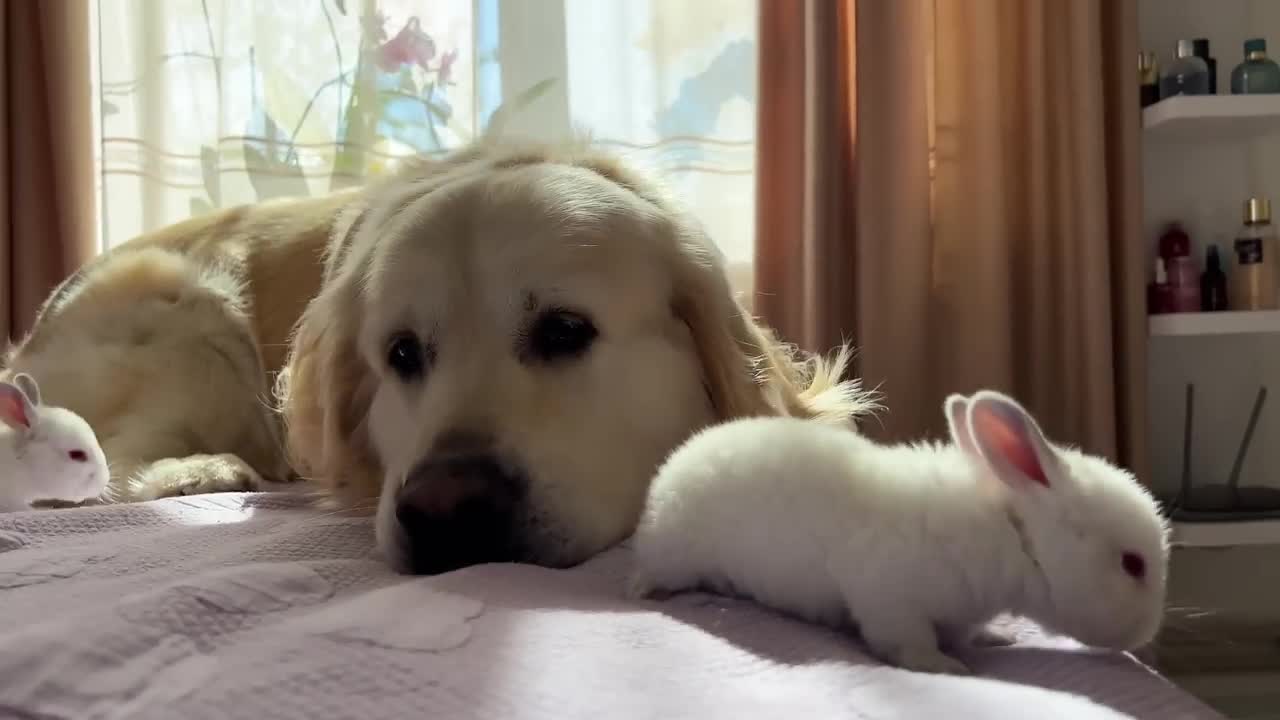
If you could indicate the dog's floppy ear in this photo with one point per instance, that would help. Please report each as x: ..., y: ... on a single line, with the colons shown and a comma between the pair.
x: 748, y: 372
x: 326, y: 388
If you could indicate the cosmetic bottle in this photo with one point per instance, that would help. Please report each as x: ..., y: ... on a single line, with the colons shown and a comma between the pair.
x: 1187, y: 75
x: 1252, y: 284
x: 1200, y: 46
x: 1158, y: 301
x: 1148, y: 78
x: 1213, y: 283
x: 1257, y: 74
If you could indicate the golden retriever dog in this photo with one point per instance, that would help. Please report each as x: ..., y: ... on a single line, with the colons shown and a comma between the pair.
x: 494, y: 350
x: 507, y: 343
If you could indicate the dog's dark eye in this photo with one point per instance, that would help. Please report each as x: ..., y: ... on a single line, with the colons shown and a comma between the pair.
x: 561, y: 334
x: 406, y: 356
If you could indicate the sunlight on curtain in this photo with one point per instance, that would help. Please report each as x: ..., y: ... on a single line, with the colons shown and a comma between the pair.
x: 213, y: 103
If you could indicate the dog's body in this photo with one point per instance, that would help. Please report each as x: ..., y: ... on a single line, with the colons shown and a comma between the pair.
x: 496, y: 348
x: 167, y: 345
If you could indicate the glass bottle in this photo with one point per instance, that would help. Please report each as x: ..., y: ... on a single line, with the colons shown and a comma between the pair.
x: 1201, y: 48
x: 1213, y: 283
x: 1174, y: 241
x: 1258, y: 74
x: 1148, y: 78
x: 1187, y: 75
x: 1253, y: 277
x: 1158, y: 296
x: 1180, y: 268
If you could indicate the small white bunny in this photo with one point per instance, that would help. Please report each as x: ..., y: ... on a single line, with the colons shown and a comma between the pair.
x: 46, y: 453
x: 912, y: 543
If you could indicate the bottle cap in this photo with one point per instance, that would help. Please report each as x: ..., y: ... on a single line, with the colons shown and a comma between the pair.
x: 1257, y: 210
x: 1187, y: 48
x: 1200, y: 46
x: 1253, y: 45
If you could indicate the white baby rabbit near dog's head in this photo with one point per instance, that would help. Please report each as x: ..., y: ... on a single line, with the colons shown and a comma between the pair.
x: 1095, y: 532
x: 920, y: 545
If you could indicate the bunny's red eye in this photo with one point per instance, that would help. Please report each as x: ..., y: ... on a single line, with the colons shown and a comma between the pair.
x: 78, y: 456
x: 1134, y: 565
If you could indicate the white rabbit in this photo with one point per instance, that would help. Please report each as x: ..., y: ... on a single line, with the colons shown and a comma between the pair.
x: 913, y: 543
x: 46, y: 453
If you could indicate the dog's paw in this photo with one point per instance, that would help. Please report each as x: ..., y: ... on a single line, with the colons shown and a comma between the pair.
x: 930, y: 660
x: 638, y: 587
x: 195, y: 475
x: 992, y: 637
x: 642, y: 586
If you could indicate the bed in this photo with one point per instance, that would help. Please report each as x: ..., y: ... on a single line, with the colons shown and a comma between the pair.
x: 258, y: 605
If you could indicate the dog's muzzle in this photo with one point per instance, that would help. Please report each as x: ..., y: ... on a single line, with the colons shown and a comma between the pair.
x: 459, y: 507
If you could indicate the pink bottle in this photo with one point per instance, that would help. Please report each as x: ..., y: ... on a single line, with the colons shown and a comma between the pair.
x: 1184, y: 276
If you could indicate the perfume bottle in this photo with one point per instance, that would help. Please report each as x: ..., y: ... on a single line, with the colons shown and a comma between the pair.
x: 1253, y: 278
x: 1258, y: 74
x: 1188, y: 75
x: 1148, y: 78
x: 1184, y: 283
x: 1201, y: 48
x: 1213, y: 283
x: 1174, y: 242
x: 1159, y: 296
x: 1180, y: 271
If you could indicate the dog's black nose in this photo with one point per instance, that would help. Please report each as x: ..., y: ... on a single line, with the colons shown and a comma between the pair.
x: 459, y: 509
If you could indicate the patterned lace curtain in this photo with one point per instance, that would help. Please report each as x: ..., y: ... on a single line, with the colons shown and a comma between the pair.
x: 213, y: 103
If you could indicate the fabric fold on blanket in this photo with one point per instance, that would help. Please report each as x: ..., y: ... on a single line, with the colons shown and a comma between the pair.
x: 257, y: 605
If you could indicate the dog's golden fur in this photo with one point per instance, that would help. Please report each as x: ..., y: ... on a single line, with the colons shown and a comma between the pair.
x: 169, y: 345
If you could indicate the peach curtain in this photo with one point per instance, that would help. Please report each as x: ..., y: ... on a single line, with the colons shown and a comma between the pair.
x: 46, y: 153
x: 954, y: 187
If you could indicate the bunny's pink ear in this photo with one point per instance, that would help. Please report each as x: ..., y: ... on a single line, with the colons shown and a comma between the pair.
x: 1009, y: 439
x: 16, y: 409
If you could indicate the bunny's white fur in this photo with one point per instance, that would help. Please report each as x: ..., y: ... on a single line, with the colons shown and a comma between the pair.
x: 46, y: 453
x: 913, y: 543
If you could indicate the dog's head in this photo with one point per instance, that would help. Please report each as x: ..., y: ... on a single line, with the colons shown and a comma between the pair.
x: 506, y: 345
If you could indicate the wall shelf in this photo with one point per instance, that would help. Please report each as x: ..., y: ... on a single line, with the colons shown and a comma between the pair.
x: 1225, y: 534
x: 1215, y: 323
x: 1212, y: 117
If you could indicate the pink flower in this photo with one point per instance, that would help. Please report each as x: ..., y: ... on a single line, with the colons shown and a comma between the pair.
x: 410, y: 45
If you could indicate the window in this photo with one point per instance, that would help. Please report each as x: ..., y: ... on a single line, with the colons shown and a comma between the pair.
x: 214, y: 103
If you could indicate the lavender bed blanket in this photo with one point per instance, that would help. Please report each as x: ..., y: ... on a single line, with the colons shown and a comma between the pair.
x: 259, y: 606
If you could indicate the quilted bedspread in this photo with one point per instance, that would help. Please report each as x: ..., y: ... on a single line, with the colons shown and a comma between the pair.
x: 260, y: 606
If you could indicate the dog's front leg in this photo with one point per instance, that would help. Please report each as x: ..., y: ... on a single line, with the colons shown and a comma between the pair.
x: 193, y: 475
x: 163, y: 466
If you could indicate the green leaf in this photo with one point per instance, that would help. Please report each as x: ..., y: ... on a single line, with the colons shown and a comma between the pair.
x: 502, y: 114
x: 288, y: 103
x: 199, y: 206
x: 209, y: 171
x: 272, y: 179
x: 348, y: 164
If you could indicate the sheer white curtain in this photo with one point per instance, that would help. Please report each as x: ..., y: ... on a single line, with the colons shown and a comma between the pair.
x: 212, y: 103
